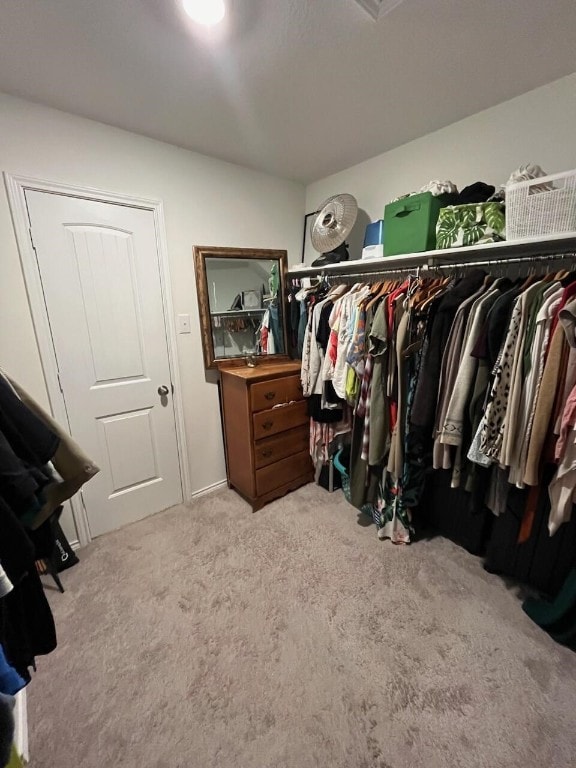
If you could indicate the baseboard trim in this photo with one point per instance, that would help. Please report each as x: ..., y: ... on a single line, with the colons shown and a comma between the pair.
x: 21, y: 725
x: 209, y: 489
x: 195, y: 495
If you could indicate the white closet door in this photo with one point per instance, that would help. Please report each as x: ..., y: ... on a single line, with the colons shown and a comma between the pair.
x: 100, y: 274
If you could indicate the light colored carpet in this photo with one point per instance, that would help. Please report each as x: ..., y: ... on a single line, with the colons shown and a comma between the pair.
x: 210, y: 636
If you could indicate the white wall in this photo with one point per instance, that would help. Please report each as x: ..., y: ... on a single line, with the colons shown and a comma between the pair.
x: 206, y: 202
x: 535, y: 127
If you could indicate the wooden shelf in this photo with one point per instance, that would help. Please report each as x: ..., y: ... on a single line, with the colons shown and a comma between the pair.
x: 508, y: 249
x: 238, y: 312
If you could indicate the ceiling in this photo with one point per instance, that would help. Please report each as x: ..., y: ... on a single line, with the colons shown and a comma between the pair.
x: 297, y: 88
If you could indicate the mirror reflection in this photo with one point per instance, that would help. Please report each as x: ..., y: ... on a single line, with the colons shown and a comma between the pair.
x: 245, y: 306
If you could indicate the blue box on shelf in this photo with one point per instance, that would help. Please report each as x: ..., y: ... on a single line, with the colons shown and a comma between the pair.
x: 373, y: 241
x: 374, y: 233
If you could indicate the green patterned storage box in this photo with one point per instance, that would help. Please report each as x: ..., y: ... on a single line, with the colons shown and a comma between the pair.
x: 461, y: 225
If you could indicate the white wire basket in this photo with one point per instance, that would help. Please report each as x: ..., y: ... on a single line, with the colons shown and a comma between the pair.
x: 542, y: 206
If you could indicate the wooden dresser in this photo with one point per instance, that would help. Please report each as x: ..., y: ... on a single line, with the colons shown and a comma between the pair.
x: 266, y: 430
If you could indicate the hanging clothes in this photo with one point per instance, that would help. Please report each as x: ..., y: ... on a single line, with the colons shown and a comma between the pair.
x: 40, y: 468
x: 32, y: 446
x: 475, y: 375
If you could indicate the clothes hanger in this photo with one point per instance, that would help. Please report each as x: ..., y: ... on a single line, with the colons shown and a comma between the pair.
x: 427, y: 285
x: 375, y: 288
x: 340, y: 289
x: 444, y: 282
x: 386, y: 287
x: 562, y: 275
x: 425, y: 297
x: 551, y: 277
x: 530, y: 280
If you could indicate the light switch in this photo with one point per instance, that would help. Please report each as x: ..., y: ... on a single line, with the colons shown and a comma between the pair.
x: 183, y: 323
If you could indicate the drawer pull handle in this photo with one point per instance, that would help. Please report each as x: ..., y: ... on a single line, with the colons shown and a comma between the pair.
x: 270, y: 395
x: 268, y: 425
x: 267, y: 452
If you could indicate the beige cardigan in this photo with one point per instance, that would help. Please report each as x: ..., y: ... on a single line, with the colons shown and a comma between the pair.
x: 70, y: 461
x: 544, y: 406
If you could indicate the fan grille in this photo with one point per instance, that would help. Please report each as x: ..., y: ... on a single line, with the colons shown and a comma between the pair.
x: 333, y: 223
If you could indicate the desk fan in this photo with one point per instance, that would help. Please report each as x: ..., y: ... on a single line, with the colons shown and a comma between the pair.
x: 332, y: 225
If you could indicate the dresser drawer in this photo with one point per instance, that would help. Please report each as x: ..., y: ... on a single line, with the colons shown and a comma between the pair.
x: 280, y: 446
x: 281, y: 472
x: 293, y: 388
x: 267, y: 423
x: 266, y: 394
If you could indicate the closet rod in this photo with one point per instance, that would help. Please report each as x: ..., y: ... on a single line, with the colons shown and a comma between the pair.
x: 531, y: 260
x: 367, y: 277
x: 430, y: 269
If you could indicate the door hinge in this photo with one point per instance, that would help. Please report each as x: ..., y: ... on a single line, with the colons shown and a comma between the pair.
x: 172, y: 387
x: 59, y: 382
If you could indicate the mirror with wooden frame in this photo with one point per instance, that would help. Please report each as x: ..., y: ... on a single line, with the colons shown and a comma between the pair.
x: 240, y: 301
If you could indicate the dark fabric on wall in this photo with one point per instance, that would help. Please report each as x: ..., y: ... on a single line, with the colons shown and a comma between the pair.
x: 29, y: 437
x: 16, y: 550
x: 6, y: 727
x: 497, y: 323
x: 26, y: 623
x: 544, y: 561
x: 450, y: 512
x: 425, y: 398
x: 17, y: 485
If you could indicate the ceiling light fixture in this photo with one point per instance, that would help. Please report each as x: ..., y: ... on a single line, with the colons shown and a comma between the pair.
x: 378, y: 8
x: 207, y: 12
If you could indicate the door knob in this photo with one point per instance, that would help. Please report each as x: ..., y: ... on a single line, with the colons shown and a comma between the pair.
x: 163, y: 391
